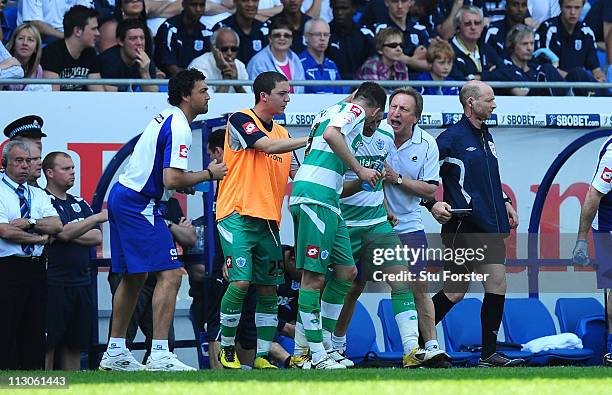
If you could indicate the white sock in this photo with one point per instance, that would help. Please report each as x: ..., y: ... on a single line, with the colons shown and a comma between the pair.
x: 338, y: 342
x: 318, y: 352
x: 301, y: 344
x: 327, y: 342
x: 116, y: 345
x: 159, y: 348
x: 408, y: 325
x: 431, y: 345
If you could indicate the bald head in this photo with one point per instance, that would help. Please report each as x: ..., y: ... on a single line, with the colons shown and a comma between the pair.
x: 473, y: 89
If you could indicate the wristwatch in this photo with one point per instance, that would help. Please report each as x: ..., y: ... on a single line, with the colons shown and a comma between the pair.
x: 399, y: 179
x: 32, y: 222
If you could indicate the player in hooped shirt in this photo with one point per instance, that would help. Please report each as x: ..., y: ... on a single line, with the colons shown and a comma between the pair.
x: 141, y: 242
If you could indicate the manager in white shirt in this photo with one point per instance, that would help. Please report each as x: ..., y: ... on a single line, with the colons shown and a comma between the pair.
x: 27, y: 221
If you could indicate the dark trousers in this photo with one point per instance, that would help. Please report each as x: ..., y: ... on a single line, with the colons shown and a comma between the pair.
x: 23, y: 305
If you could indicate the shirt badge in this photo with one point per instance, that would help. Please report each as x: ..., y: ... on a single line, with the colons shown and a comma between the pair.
x: 492, y: 146
x: 75, y: 207
x: 414, y: 38
x: 578, y: 45
x: 380, y: 144
x: 257, y: 45
x: 198, y: 45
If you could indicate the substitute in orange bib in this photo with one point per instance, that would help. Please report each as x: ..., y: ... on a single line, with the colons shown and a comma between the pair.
x: 259, y: 160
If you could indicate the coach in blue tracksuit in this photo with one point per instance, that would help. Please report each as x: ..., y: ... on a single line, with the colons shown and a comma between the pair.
x: 470, y: 174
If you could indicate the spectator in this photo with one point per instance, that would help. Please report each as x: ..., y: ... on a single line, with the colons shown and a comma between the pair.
x: 318, y: 9
x: 387, y: 65
x: 440, y: 56
x: 221, y: 62
x: 445, y: 15
x: 573, y: 42
x: 160, y: 10
x: 10, y: 67
x: 129, y: 58
x: 26, y: 46
x: 521, y: 65
x: 415, y: 37
x: 297, y: 20
x: 253, y: 33
x: 74, y: 57
x: 124, y: 9
x: 349, y: 45
x: 422, y: 13
x: 27, y: 219
x: 542, y: 10
x: 266, y: 9
x: 47, y: 15
x: 70, y: 296
x: 316, y: 65
x: 599, y: 18
x: 516, y: 13
x: 2, y: 19
x: 105, y: 8
x: 182, y: 38
x: 278, y: 56
x: 472, y: 58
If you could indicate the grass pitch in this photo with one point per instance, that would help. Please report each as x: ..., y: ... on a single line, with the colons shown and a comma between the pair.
x: 532, y: 381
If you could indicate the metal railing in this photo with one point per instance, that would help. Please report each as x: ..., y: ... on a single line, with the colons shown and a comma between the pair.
x: 386, y: 84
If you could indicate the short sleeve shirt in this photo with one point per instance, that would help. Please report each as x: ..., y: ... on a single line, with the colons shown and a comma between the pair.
x: 56, y: 58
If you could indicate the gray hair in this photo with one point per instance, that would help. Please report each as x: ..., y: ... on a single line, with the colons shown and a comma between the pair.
x: 410, y: 91
x: 213, y: 38
x: 516, y: 33
x: 308, y: 24
x: 8, y: 147
x: 470, y: 9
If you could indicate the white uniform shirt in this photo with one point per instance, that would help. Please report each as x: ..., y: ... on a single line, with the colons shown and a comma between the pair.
x: 416, y: 159
x: 208, y: 66
x: 41, y: 207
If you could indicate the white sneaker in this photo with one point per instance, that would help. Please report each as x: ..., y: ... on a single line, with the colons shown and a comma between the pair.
x: 339, y: 357
x: 122, y: 362
x: 169, y: 362
x: 327, y: 363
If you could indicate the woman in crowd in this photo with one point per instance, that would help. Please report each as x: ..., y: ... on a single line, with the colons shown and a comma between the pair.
x: 278, y: 56
x: 26, y: 46
x: 124, y: 9
x: 386, y: 65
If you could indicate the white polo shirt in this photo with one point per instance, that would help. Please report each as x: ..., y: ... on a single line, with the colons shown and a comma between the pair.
x: 9, y: 210
x: 416, y: 159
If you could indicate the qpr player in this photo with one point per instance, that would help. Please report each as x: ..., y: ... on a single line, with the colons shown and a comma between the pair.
x: 141, y: 242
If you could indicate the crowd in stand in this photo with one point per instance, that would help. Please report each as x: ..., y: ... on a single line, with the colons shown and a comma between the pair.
x: 459, y: 40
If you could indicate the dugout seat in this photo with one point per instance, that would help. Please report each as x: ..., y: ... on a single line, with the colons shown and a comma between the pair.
x: 361, y: 339
x: 528, y: 319
x: 462, y: 330
x: 585, y: 318
x: 393, y: 341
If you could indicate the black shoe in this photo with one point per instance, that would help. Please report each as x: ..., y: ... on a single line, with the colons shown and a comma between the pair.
x: 607, y: 359
x: 440, y: 361
x: 498, y: 359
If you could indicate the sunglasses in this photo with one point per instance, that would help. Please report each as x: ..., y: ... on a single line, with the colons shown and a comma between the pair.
x: 470, y: 23
x: 282, y: 35
x: 228, y: 49
x: 393, y: 45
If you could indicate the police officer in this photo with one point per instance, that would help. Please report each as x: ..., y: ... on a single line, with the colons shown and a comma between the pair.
x: 27, y: 129
x: 70, y: 304
x: 470, y: 176
x: 27, y: 219
x: 597, y: 213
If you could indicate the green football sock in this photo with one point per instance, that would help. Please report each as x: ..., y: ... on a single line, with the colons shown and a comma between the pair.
x: 231, y: 308
x: 331, y: 306
x: 266, y: 321
x: 310, y: 315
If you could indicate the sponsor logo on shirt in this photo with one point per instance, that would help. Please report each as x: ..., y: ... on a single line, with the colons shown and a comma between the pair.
x: 606, y: 175
x: 228, y: 261
x: 250, y: 128
x: 183, y: 151
x: 356, y: 110
x: 312, y: 252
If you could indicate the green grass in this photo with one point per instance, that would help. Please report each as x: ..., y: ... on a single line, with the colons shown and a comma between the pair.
x: 532, y: 381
